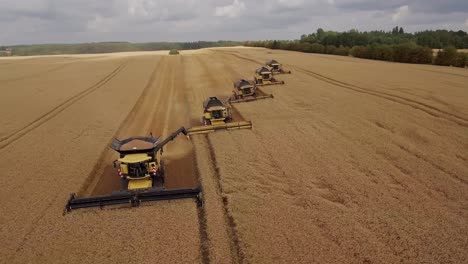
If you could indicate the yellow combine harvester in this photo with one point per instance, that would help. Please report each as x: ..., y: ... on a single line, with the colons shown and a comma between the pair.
x: 141, y: 172
x: 217, y: 116
x: 245, y: 91
x: 276, y: 67
x: 264, y: 76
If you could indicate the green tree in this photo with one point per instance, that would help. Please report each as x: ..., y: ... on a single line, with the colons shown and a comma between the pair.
x: 173, y: 52
x: 359, y: 52
x: 275, y: 45
x: 317, y: 48
x: 461, y: 60
x: 446, y: 56
x: 342, y: 51
x: 330, y: 49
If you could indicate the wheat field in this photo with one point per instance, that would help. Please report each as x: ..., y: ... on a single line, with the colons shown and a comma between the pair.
x: 353, y: 161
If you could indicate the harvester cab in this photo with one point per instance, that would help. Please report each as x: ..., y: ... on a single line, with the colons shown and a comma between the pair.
x: 245, y: 91
x: 217, y: 115
x: 276, y: 67
x: 141, y: 172
x: 215, y: 112
x: 139, y: 165
x: 244, y: 88
x: 263, y: 76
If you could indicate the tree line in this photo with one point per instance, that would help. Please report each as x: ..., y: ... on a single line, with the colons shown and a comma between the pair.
x: 395, y: 45
x: 108, y: 47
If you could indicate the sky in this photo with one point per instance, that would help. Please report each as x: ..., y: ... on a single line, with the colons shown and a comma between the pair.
x: 78, y: 21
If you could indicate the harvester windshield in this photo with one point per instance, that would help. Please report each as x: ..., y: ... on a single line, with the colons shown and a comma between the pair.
x: 134, y: 165
x: 137, y: 170
x: 217, y: 114
x: 264, y: 72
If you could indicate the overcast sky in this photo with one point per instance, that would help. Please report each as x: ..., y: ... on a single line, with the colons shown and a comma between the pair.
x: 72, y: 21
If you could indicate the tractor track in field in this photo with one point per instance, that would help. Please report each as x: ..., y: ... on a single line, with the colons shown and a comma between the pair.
x: 48, y: 71
x: 235, y: 74
x: 236, y: 250
x: 236, y: 115
x: 18, y: 134
x: 426, y: 108
x: 89, y: 185
x: 202, y: 221
x: 237, y: 255
x: 20, y: 61
x: 445, y: 73
x: 152, y: 113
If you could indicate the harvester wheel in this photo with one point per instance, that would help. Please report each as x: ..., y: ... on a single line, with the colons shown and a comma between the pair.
x: 162, y: 175
x: 206, y: 122
x: 200, y: 199
x: 158, y: 179
x: 123, y: 184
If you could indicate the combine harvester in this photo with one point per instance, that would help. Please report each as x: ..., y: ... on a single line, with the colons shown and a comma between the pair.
x: 263, y: 76
x: 245, y: 91
x: 217, y: 116
x: 276, y: 67
x: 141, y: 172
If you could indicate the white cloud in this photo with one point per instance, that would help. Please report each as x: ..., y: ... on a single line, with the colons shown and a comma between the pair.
x: 290, y: 3
x: 401, y: 13
x: 141, y: 7
x: 233, y: 10
x: 42, y: 21
x: 466, y: 23
x: 100, y: 24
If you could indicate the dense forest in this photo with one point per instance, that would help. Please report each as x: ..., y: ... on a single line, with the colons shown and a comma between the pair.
x: 395, y: 45
x: 107, y: 47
